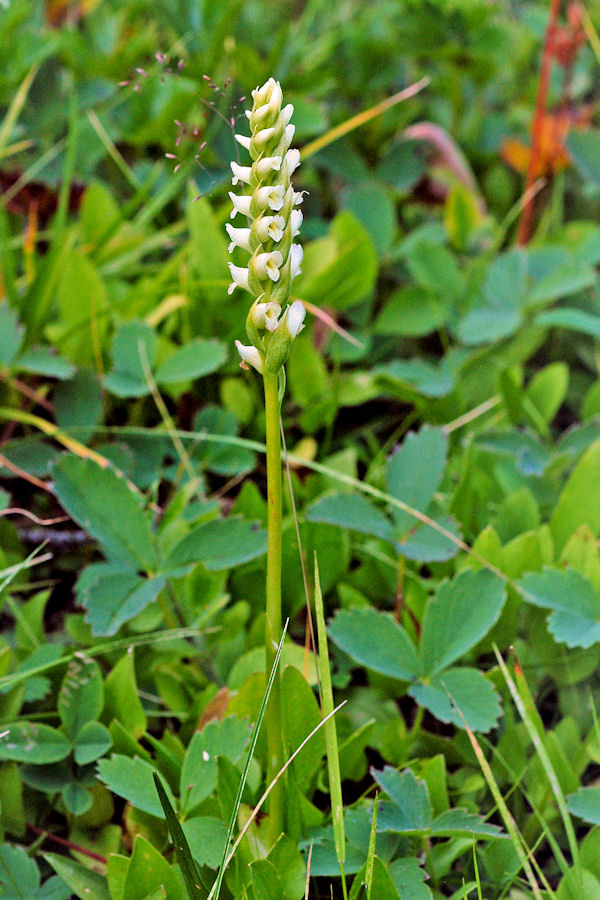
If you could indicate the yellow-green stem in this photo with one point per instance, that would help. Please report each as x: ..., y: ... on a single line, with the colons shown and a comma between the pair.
x: 273, y: 606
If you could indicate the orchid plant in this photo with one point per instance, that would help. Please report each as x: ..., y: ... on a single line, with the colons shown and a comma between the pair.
x: 270, y: 205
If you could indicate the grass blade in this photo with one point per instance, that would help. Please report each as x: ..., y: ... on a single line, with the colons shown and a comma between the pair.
x: 188, y: 867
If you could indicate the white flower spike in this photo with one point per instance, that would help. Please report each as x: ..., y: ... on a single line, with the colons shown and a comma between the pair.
x: 269, y: 203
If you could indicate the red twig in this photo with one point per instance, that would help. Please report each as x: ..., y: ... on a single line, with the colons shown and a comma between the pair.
x: 68, y: 844
x: 540, y: 112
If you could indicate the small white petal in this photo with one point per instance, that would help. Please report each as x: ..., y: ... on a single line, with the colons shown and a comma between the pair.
x: 267, y: 265
x: 250, y: 356
x: 240, y: 173
x: 289, y: 134
x: 295, y: 318
x: 265, y: 315
x: 239, y: 237
x: 296, y: 218
x: 292, y: 160
x: 241, y: 204
x: 298, y: 195
x: 243, y: 140
x: 268, y: 164
x: 248, y: 113
x: 240, y: 277
x: 270, y: 196
x: 269, y: 227
x: 296, y: 254
x: 263, y: 137
x: 286, y: 113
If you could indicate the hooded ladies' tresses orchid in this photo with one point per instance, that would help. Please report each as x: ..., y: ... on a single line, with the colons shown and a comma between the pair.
x: 269, y: 203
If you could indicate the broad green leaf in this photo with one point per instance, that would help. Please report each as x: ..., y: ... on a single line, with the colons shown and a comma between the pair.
x: 427, y: 544
x: 133, y: 780
x: 300, y: 716
x: 376, y: 641
x: 414, y: 472
x: 410, y: 809
x: 497, y: 313
x: 289, y: 864
x: 412, y: 311
x: 11, y: 334
x: 226, y: 738
x: 351, y: 511
x: 562, y: 282
x: 91, y: 742
x: 584, y: 147
x: 149, y: 870
x: 578, y: 884
x: 19, y: 876
x: 208, y: 251
x: 133, y: 350
x: 193, y: 360
x: 571, y: 319
x: 121, y: 699
x: 78, y: 403
x: 81, y: 696
x: 461, y: 215
x: 409, y: 878
x: 116, y: 598
x: 471, y: 693
x: 382, y: 884
x: 84, y: 310
x: 33, y: 742
x: 455, y: 822
x: 76, y: 798
x: 219, y: 544
x: 102, y: 503
x: 372, y: 205
x: 585, y: 803
x: 461, y: 614
x: 576, y: 617
x: 265, y: 880
x: 206, y: 837
x: 42, y: 361
x: 577, y: 504
x: 339, y: 270
x: 435, y: 268
x: 409, y: 376
x: 547, y: 389
x: 85, y: 884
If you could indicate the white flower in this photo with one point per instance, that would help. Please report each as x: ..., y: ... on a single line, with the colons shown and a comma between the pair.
x: 241, y: 204
x: 240, y: 173
x: 292, y: 160
x: 297, y: 197
x: 239, y: 237
x: 265, y: 315
x: 296, y: 221
x: 267, y: 264
x: 240, y: 278
x: 269, y: 227
x: 261, y: 138
x: 250, y: 355
x: 296, y: 254
x: 295, y: 317
x: 269, y: 196
x: 267, y: 164
x: 263, y: 94
x: 243, y: 140
x: 286, y: 114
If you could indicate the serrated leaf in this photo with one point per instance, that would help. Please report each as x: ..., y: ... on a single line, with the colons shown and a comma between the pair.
x: 382, y: 885
x: 226, y: 738
x: 206, y: 838
x: 455, y: 822
x: 414, y: 472
x: 427, y: 544
x: 85, y: 884
x: 102, y: 503
x: 193, y: 360
x: 461, y: 613
x: 33, y: 742
x: 351, y: 511
x: 576, y: 617
x: 150, y: 872
x: 410, y: 809
x: 114, y: 599
x: 376, y: 641
x: 471, y: 693
x: 133, y: 779
x: 219, y: 544
x: 409, y: 878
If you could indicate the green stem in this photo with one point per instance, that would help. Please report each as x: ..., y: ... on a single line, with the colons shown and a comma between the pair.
x: 273, y: 627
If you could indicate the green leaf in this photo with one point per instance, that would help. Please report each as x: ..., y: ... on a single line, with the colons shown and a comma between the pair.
x: 584, y: 147
x: 19, y: 876
x: 32, y: 742
x: 351, y: 511
x: 290, y: 866
x: 406, y: 376
x: 42, y: 361
x: 226, y: 738
x: 133, y: 779
x: 576, y: 617
x: 121, y: 699
x: 410, y: 809
x: 435, y: 268
x: 456, y: 822
x: 206, y: 837
x: 11, y: 334
x: 208, y: 252
x: 84, y: 883
x: 577, y: 884
x: 577, y: 503
x: 571, y: 319
x: 341, y: 267
x: 375, y: 640
x: 471, y: 693
x: 114, y: 599
x: 81, y: 696
x: 372, y: 205
x: 78, y: 403
x: 461, y: 215
x: 300, y: 716
x: 414, y: 472
x: 182, y: 848
x: 148, y: 871
x: 497, y: 313
x: 133, y: 348
x: 219, y: 544
x: 91, y: 742
x: 409, y: 878
x: 265, y: 880
x: 193, y: 360
x: 426, y: 544
x: 461, y: 614
x: 382, y: 884
x: 562, y: 282
x: 102, y: 503
x: 76, y: 799
x: 585, y: 803
x: 412, y: 311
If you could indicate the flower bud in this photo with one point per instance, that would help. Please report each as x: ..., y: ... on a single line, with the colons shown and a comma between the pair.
x: 250, y: 356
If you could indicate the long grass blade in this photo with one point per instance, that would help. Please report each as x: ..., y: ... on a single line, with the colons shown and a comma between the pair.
x: 183, y: 853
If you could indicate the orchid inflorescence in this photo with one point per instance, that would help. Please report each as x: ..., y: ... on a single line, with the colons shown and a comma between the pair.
x: 271, y: 206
